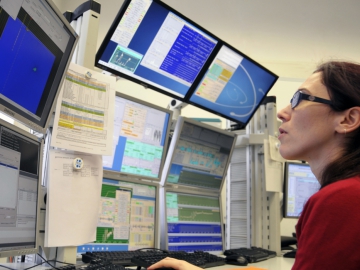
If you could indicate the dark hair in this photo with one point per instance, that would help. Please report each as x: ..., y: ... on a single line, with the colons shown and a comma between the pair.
x: 342, y: 80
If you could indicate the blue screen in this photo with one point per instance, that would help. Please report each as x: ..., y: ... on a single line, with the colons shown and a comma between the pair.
x: 233, y: 86
x: 158, y: 47
x: 28, y: 59
x: 35, y: 50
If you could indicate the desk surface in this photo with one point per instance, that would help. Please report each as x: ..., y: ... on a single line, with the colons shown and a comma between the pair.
x: 277, y: 263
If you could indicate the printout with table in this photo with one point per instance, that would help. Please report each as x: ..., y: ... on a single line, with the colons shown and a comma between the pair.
x: 85, y: 112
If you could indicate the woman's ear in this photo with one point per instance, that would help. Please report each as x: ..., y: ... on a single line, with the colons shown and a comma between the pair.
x: 349, y: 121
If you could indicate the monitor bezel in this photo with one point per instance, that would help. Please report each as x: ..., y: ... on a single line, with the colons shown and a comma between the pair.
x: 174, y: 141
x: 19, y: 114
x: 195, y: 192
x: 111, y: 31
x: 125, y: 175
x: 27, y: 251
x: 213, y: 57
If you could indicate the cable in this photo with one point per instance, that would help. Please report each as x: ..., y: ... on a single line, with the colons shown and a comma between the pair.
x: 45, y: 261
x: 7, y: 267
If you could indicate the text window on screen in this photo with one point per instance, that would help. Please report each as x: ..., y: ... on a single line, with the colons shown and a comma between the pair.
x: 9, y: 171
x: 178, y: 51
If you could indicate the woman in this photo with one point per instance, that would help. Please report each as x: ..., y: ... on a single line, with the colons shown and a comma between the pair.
x: 321, y: 126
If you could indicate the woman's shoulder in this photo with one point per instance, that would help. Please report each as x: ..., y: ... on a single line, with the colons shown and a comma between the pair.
x: 344, y: 188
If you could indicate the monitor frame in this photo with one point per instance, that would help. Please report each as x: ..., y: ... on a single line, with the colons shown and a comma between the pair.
x: 242, y: 125
x: 111, y: 175
x: 174, y: 140
x: 196, y: 192
x: 21, y: 114
x: 26, y: 251
x: 141, y: 81
x: 130, y: 176
x: 286, y: 186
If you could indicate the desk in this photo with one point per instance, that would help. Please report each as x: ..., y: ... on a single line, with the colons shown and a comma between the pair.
x: 277, y: 263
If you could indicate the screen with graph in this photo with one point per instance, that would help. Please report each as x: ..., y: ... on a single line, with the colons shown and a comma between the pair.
x: 141, y: 132
x: 36, y: 46
x: 198, y: 156
x: 299, y: 185
x: 127, y: 216
x: 233, y: 86
x: 193, y: 222
x: 154, y: 45
x: 20, y: 181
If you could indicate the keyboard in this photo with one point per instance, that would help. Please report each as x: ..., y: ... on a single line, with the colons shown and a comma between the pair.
x: 253, y: 254
x: 93, y: 265
x: 115, y: 257
x: 198, y: 258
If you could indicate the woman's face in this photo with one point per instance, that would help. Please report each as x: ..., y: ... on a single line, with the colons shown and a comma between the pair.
x: 307, y: 131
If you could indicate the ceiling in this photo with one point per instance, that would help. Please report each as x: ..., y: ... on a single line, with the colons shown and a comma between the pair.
x: 288, y: 37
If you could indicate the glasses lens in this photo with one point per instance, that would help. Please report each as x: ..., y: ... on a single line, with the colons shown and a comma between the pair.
x: 295, y: 99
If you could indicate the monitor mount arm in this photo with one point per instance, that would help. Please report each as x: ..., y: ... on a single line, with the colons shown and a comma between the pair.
x: 176, y: 106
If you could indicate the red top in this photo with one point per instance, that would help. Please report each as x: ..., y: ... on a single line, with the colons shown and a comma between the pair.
x: 328, y: 230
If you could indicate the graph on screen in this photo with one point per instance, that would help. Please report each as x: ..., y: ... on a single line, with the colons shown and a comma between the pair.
x: 193, y: 222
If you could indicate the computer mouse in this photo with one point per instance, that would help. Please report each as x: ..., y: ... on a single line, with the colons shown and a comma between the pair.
x: 290, y: 254
x: 236, y: 260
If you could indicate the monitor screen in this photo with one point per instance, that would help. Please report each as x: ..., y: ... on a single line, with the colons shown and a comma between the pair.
x: 233, y: 86
x: 141, y: 132
x: 300, y: 184
x: 154, y: 45
x: 36, y: 44
x: 198, y: 156
x: 128, y: 216
x: 20, y: 170
x: 193, y: 222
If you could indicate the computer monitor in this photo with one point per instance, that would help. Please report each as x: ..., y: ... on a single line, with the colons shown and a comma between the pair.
x: 193, y: 221
x: 152, y: 44
x: 233, y: 86
x: 128, y: 215
x: 20, y: 181
x: 36, y: 45
x: 198, y: 156
x: 140, y: 139
x: 299, y: 185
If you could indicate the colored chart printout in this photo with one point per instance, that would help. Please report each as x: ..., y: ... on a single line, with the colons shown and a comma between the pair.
x: 84, y: 112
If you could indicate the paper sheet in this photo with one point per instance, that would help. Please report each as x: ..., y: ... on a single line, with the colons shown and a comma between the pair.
x: 73, y: 199
x: 84, y: 116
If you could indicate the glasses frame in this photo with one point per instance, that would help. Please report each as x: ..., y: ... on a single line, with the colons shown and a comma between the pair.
x: 299, y: 96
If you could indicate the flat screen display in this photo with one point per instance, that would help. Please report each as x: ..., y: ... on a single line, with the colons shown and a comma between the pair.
x: 198, y: 156
x: 20, y: 179
x: 152, y: 44
x: 141, y: 132
x: 300, y: 184
x: 233, y: 86
x: 128, y: 218
x: 193, y: 223
x: 36, y: 45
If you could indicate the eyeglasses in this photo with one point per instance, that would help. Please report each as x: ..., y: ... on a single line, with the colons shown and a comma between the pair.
x: 298, y: 96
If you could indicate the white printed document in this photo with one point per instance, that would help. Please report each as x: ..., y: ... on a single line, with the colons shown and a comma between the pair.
x: 73, y: 198
x: 84, y: 116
